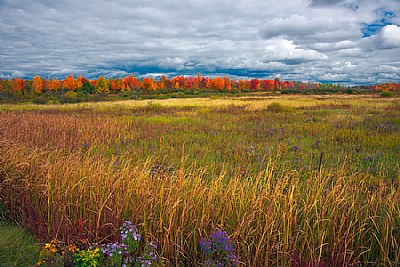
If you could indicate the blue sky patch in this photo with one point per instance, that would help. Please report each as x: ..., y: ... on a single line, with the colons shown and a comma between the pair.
x: 376, y: 26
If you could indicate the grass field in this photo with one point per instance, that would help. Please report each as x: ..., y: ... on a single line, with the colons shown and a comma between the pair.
x: 306, y: 180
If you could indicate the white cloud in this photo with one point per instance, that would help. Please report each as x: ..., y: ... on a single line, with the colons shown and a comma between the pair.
x: 301, y: 39
x: 390, y: 37
x: 285, y: 51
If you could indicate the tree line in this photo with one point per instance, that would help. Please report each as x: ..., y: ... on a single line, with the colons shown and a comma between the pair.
x: 38, y: 85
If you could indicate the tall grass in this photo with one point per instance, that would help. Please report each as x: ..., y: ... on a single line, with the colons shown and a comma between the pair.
x: 180, y: 172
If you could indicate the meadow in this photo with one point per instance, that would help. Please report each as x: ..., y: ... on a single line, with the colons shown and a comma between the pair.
x: 293, y: 180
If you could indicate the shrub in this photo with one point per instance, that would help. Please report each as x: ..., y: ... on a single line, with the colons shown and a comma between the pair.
x: 39, y: 101
x: 386, y: 94
x: 88, y: 258
x: 276, y: 108
x: 69, y: 97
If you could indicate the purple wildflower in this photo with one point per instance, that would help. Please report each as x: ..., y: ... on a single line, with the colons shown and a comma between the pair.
x: 219, y: 250
x: 130, y: 251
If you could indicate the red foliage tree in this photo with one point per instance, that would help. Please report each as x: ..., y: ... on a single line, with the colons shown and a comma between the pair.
x: 131, y: 83
x: 255, y: 84
x: 268, y: 85
x: 18, y: 85
x: 227, y: 83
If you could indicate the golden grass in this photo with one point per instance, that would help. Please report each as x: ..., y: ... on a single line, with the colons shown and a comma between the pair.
x: 253, y: 102
x: 279, y: 216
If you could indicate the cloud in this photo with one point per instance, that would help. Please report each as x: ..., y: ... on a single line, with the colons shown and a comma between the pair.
x: 285, y: 51
x: 298, y: 39
x: 389, y: 37
x: 318, y: 3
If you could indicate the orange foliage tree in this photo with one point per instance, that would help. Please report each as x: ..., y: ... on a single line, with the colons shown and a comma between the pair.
x: 54, y: 85
x: 120, y: 84
x: 243, y: 85
x: 69, y: 83
x: 218, y: 83
x: 148, y: 84
x: 79, y: 82
x: 37, y: 84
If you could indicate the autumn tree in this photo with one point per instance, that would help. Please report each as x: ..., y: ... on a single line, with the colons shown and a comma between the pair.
x: 234, y: 84
x: 243, y: 85
x: 218, y: 83
x: 79, y: 82
x: 5, y: 87
x: 102, y: 85
x: 69, y: 83
x: 148, y: 84
x: 207, y: 83
x: 268, y: 85
x: 168, y: 83
x: 161, y: 84
x: 18, y: 85
x: 198, y: 80
x: 113, y: 85
x: 120, y: 84
x: 255, y: 84
x: 37, y: 84
x: 45, y: 85
x: 131, y: 83
x: 180, y: 80
x: 54, y: 85
x: 227, y: 83
x: 189, y: 82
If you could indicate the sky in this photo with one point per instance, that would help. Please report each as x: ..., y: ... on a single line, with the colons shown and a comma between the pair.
x: 328, y: 41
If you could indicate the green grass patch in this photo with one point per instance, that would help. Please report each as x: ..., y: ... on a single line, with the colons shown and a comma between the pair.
x: 17, y: 247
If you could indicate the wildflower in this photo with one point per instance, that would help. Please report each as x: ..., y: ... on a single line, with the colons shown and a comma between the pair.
x: 72, y: 248
x: 51, y: 246
x: 126, y: 252
x: 85, y: 146
x: 369, y: 158
x: 219, y: 249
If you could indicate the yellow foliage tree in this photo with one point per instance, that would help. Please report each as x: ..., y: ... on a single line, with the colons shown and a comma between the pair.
x: 102, y: 86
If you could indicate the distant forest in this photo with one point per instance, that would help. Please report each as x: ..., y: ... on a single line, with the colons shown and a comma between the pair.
x: 179, y: 86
